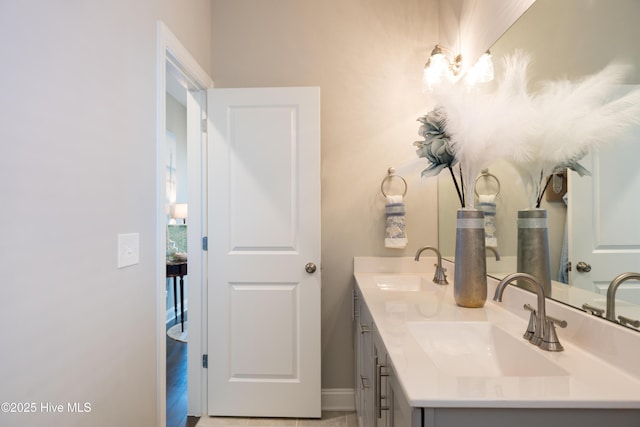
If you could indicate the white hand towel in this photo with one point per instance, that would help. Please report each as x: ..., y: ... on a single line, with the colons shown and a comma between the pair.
x: 486, y: 203
x: 395, y: 232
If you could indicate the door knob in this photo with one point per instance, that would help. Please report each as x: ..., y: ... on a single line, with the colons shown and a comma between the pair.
x: 583, y: 267
x: 310, y: 267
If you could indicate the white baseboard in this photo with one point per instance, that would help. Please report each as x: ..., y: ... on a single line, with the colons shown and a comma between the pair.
x: 338, y: 399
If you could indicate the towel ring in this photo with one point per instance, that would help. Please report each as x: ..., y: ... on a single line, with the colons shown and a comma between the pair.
x: 485, y: 174
x: 391, y: 173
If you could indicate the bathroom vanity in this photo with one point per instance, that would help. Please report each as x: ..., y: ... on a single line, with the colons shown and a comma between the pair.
x: 421, y: 360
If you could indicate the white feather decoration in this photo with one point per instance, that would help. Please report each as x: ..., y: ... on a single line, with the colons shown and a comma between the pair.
x: 537, y: 133
x: 573, y: 117
x: 484, y: 126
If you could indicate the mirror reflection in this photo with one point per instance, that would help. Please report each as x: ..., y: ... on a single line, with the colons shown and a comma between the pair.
x: 591, y: 220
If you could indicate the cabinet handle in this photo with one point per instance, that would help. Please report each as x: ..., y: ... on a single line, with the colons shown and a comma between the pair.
x: 354, y: 305
x: 364, y: 380
x: 378, y: 390
x: 364, y: 328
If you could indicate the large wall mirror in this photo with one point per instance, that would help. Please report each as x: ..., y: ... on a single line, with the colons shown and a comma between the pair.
x: 597, y: 222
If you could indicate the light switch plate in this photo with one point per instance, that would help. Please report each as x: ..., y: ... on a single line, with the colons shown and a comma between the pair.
x: 128, y: 249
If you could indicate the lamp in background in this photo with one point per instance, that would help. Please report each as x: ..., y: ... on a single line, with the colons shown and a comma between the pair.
x: 442, y: 63
x: 180, y: 212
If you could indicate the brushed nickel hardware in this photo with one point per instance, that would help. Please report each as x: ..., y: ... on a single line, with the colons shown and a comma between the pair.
x: 544, y: 333
x: 310, y: 268
x: 355, y: 312
x: 550, y: 341
x: 611, y: 292
x: 583, y: 267
x: 593, y: 310
x: 391, y: 173
x: 364, y: 381
x: 485, y: 174
x: 495, y: 252
x: 439, y: 277
x: 378, y: 389
x: 531, y: 327
x: 627, y: 321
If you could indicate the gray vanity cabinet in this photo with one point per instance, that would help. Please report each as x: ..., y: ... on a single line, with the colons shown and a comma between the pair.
x: 380, y: 401
x: 362, y: 338
x: 401, y: 413
x: 394, y: 409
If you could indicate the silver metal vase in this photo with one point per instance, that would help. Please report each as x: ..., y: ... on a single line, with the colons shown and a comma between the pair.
x: 470, y: 279
x: 533, y: 248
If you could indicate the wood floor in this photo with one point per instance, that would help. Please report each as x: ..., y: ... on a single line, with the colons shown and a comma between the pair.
x: 177, y: 385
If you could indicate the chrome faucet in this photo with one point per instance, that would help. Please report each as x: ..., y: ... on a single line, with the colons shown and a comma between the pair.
x: 544, y: 333
x: 495, y: 252
x: 611, y: 292
x: 439, y: 278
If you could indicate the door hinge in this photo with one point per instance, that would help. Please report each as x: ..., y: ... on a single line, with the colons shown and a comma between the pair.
x: 205, y: 360
x: 203, y: 126
x: 205, y: 243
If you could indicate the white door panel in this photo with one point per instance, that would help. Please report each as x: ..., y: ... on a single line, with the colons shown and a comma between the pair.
x: 264, y: 227
x: 603, y: 217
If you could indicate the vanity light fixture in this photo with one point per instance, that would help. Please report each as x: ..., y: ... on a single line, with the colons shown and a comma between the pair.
x: 442, y: 63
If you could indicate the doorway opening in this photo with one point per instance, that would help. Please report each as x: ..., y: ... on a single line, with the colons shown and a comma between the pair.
x: 181, y: 101
x: 176, y: 255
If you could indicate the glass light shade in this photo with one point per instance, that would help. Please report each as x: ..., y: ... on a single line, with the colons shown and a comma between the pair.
x: 481, y: 72
x: 179, y: 211
x: 485, y: 68
x: 436, y: 68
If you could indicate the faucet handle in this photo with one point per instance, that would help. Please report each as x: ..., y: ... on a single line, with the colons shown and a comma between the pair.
x: 626, y: 321
x: 550, y: 341
x: 557, y: 322
x: 440, y: 277
x: 594, y: 310
x: 531, y: 327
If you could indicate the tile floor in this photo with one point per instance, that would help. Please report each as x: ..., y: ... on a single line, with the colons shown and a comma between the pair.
x: 333, y: 419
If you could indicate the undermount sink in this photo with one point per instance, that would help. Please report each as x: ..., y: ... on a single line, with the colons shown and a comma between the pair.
x: 400, y: 282
x: 480, y: 349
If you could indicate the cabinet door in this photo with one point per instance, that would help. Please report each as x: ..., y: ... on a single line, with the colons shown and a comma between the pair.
x: 357, y: 350
x: 401, y: 414
x: 364, y: 363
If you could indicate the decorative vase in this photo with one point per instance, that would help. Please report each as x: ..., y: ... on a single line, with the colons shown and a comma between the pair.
x: 470, y: 279
x: 533, y: 248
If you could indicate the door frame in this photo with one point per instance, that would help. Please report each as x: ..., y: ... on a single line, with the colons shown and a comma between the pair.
x: 172, y: 53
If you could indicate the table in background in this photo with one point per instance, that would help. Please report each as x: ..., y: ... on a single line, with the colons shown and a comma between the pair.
x: 175, y: 270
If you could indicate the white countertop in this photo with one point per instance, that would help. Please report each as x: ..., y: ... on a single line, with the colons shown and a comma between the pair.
x: 599, y: 371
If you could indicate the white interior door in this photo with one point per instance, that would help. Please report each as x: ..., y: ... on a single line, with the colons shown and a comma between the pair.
x: 603, y: 218
x: 264, y: 228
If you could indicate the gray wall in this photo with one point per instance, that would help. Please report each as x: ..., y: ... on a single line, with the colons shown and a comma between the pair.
x: 78, y: 135
x: 367, y: 58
